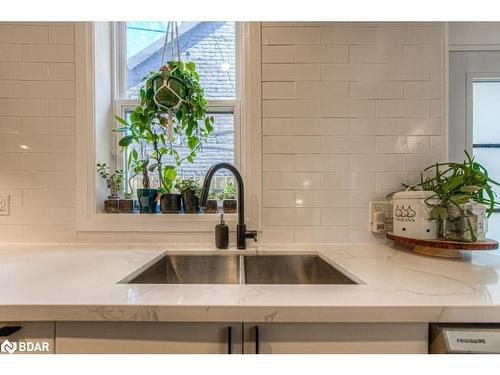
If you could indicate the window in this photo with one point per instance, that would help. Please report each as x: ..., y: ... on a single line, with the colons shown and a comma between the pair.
x: 213, y: 47
x: 486, y: 135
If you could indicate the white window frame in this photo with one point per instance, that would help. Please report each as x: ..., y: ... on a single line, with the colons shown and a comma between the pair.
x: 213, y: 105
x: 247, y: 109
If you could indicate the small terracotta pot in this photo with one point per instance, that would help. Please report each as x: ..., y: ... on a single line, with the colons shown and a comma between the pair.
x: 112, y: 205
x: 211, y: 206
x: 126, y: 206
x: 230, y: 206
x: 190, y: 202
x: 170, y: 203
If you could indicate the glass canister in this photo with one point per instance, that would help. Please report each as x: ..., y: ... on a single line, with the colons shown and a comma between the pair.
x: 466, y: 222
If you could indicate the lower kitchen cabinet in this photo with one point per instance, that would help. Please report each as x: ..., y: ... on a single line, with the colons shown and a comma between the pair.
x: 148, y: 337
x: 289, y: 338
x: 26, y: 337
x: 212, y: 338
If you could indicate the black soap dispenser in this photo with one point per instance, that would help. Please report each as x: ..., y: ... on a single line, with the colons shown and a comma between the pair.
x: 221, y: 234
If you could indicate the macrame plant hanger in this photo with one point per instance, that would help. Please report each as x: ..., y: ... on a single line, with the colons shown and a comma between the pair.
x: 174, y: 43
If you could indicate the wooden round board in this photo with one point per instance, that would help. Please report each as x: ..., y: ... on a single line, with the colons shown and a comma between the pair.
x: 444, y: 248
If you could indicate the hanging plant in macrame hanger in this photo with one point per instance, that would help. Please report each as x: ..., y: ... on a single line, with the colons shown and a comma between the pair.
x: 169, y: 91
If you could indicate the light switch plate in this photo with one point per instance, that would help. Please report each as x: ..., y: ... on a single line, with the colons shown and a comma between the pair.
x: 4, y: 205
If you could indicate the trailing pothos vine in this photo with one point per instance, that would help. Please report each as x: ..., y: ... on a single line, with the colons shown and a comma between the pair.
x: 165, y: 131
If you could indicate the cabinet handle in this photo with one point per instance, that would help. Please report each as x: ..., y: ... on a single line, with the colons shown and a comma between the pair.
x: 9, y: 330
x: 256, y: 339
x: 229, y: 340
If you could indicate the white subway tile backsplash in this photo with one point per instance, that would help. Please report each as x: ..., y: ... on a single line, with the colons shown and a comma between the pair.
x: 278, y: 198
x: 320, y: 162
x: 403, y: 108
x: 290, y: 144
x: 403, y: 72
x: 60, y: 34
x: 349, y: 111
x: 347, y: 35
x: 347, y: 72
x: 291, y: 35
x: 292, y: 108
x: 292, y: 216
x: 10, y: 125
x: 278, y: 54
x: 347, y: 108
x: 321, y: 198
x: 291, y: 72
x: 417, y: 163
x: 17, y: 33
x: 277, y: 162
x: 24, y: 71
x: 347, y: 180
x: 25, y: 143
x: 321, y: 54
x: 304, y: 126
x: 10, y: 89
x: 48, y: 89
x: 403, y: 144
x: 376, y: 126
x: 291, y: 180
x: 376, y: 90
x: 62, y: 71
x: 423, y: 90
x: 10, y: 52
x: 376, y: 54
x: 321, y: 234
x: 408, y: 35
x: 347, y: 144
x: 48, y: 125
x: 375, y: 163
x: 24, y: 107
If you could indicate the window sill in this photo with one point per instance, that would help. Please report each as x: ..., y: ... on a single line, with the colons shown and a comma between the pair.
x: 136, y: 222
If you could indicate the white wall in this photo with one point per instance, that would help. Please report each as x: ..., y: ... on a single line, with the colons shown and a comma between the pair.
x: 37, y: 109
x: 349, y: 111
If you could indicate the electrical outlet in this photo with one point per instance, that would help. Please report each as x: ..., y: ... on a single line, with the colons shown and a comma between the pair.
x: 380, y: 216
x: 4, y: 205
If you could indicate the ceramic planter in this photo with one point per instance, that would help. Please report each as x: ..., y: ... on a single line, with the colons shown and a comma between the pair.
x: 168, y: 92
x: 112, y: 205
x: 190, y: 202
x: 211, y: 206
x: 147, y: 200
x: 170, y: 203
x: 126, y: 206
x: 230, y: 206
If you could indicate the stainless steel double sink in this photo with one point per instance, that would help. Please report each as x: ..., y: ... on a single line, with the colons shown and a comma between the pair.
x: 239, y: 269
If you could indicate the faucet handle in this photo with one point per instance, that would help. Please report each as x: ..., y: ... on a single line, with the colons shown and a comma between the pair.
x: 251, y: 234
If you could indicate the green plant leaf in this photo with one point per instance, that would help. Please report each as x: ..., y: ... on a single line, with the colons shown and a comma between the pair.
x: 125, y: 141
x: 121, y: 121
x: 470, y: 188
x: 460, y: 198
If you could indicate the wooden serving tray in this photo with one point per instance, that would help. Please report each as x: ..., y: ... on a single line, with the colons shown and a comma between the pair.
x: 444, y: 248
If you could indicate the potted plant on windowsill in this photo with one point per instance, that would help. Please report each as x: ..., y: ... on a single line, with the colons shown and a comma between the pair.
x: 227, y: 196
x: 160, y: 126
x: 114, y: 183
x: 212, y: 203
x: 464, y: 194
x: 190, y: 190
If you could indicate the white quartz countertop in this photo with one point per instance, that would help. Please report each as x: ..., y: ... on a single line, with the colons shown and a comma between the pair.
x: 80, y: 282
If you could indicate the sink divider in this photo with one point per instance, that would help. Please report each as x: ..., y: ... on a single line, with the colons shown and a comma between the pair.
x: 242, y: 269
